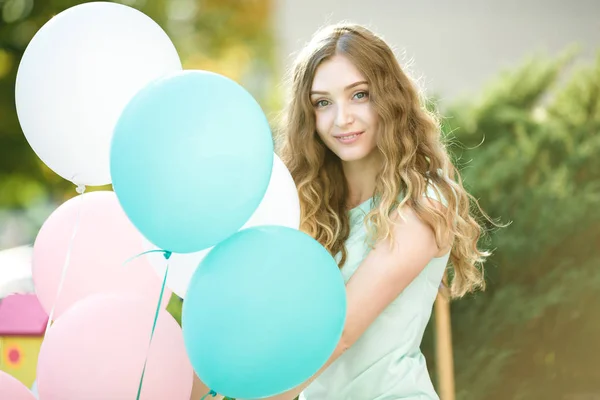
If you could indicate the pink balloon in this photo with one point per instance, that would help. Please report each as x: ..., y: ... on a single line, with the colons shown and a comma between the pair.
x: 96, y: 350
x: 104, y: 240
x: 11, y: 388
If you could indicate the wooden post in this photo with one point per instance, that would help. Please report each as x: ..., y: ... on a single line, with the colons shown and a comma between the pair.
x: 443, y: 336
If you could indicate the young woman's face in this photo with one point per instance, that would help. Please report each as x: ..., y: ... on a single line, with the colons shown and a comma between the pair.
x: 346, y: 120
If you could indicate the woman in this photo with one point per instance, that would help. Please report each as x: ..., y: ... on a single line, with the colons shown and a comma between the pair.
x: 378, y: 190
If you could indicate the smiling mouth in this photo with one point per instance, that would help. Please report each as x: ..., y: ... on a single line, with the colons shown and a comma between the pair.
x: 348, y: 137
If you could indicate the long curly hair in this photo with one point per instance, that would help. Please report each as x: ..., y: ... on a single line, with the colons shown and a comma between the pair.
x: 410, y: 142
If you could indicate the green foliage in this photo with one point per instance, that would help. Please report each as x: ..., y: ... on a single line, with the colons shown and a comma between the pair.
x: 529, y: 155
x: 174, y: 307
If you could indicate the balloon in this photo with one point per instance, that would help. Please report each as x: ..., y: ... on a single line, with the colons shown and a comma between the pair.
x: 104, y: 240
x: 96, y: 350
x: 191, y: 159
x: 76, y: 76
x: 11, y: 388
x: 181, y: 267
x: 280, y: 302
x: 34, y: 390
x: 280, y: 206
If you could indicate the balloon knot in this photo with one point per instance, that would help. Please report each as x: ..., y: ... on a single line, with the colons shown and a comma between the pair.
x: 167, y: 254
x: 211, y: 393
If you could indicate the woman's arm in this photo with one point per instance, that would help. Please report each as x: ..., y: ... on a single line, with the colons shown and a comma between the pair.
x: 386, y: 271
x: 199, y: 389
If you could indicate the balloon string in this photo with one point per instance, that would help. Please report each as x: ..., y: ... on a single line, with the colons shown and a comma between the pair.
x: 167, y: 255
x: 211, y: 393
x: 80, y: 190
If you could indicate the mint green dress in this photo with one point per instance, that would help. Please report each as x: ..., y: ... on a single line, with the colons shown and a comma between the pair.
x: 386, y: 362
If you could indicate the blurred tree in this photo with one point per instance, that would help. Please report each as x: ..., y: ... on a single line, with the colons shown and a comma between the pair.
x: 528, y: 151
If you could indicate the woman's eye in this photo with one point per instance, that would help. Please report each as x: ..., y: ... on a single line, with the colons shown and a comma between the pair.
x: 322, y: 103
x: 361, y: 95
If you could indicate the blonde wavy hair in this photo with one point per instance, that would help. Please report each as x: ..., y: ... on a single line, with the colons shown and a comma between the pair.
x: 412, y: 150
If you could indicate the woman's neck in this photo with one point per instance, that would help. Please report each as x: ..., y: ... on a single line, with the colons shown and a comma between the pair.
x: 360, y: 177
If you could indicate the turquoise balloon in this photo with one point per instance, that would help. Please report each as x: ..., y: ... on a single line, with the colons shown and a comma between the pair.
x: 191, y: 159
x: 263, y: 312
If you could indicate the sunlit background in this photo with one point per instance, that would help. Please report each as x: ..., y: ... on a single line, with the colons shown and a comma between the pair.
x: 518, y: 84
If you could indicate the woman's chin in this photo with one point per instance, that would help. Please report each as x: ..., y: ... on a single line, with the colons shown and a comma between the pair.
x: 353, y: 155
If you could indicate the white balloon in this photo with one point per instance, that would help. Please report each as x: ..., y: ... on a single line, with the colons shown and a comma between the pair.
x: 279, y: 206
x: 77, y: 74
x: 181, y: 268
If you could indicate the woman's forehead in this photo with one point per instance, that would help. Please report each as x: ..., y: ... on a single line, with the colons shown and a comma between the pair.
x: 336, y: 73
